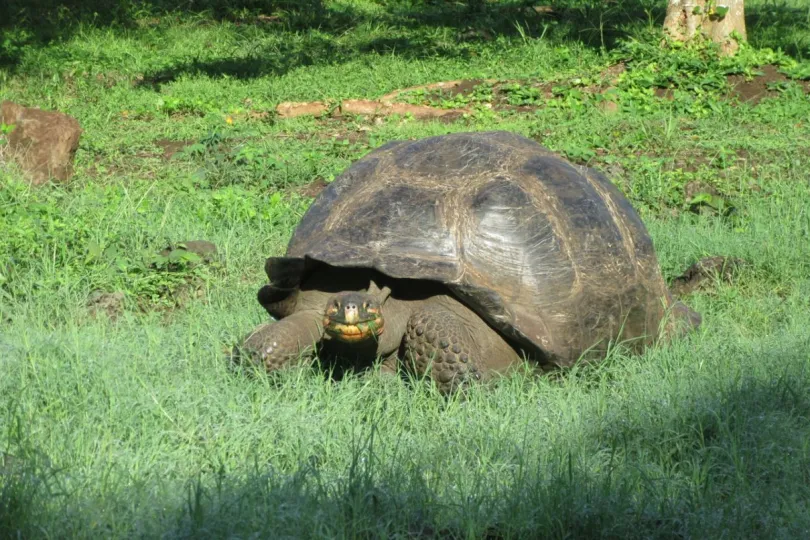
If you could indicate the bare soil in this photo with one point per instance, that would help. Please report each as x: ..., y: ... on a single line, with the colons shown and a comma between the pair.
x: 111, y: 304
x: 312, y: 189
x: 761, y: 86
x: 170, y: 148
x: 443, y: 88
x: 750, y: 91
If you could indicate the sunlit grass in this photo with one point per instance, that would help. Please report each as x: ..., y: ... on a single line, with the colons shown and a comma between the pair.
x: 133, y: 425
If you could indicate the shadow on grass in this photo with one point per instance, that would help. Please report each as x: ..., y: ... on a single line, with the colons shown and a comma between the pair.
x: 729, y: 457
x: 596, y: 23
x: 780, y: 26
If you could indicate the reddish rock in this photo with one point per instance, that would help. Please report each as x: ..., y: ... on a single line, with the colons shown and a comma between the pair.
x: 291, y: 109
x: 44, y: 143
x: 379, y: 108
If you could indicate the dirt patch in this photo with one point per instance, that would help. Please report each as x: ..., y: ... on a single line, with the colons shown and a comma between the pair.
x: 695, y: 160
x: 611, y: 74
x: 750, y: 91
x: 313, y: 189
x: 506, y: 94
x: 761, y: 86
x: 379, y: 108
x: 363, y: 107
x: 355, y: 136
x: 664, y: 93
x: 440, y: 89
x: 110, y: 304
x: 466, y: 87
x: 170, y: 148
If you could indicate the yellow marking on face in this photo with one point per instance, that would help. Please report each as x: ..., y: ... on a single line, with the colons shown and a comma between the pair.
x: 354, y: 332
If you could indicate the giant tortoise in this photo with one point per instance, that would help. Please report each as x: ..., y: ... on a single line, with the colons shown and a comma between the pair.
x: 461, y: 255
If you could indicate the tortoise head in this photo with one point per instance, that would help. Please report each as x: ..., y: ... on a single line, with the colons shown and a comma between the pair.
x: 355, y: 316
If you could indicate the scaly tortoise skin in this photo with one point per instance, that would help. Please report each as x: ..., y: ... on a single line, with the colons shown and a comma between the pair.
x: 460, y: 255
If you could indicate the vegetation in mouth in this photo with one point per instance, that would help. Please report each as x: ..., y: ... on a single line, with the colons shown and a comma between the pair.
x: 354, y: 332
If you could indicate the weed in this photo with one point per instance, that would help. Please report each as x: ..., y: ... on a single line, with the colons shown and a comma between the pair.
x: 521, y: 95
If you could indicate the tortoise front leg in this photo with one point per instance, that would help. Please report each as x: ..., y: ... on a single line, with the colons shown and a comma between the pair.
x: 389, y: 365
x: 278, y: 344
x: 455, y: 345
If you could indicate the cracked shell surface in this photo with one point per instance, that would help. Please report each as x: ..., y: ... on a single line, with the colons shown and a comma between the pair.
x: 549, y: 253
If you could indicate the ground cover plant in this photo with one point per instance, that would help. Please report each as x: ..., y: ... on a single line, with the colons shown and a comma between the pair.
x: 119, y: 415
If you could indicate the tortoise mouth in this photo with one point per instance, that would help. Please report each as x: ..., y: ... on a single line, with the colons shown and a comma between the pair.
x: 353, y: 317
x: 352, y: 333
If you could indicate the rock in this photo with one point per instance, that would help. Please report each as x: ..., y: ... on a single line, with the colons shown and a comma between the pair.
x: 291, y: 109
x: 379, y: 108
x: 44, y: 143
x: 706, y: 270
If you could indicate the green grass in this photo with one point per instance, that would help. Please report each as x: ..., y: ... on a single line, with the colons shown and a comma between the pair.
x: 134, y: 426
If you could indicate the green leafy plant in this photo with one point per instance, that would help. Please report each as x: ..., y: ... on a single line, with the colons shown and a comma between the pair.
x: 693, y: 75
x: 521, y: 95
x: 716, y: 203
x: 223, y: 163
x: 5, y: 131
x: 171, y: 105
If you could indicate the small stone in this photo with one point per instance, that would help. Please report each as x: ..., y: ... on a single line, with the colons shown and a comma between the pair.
x: 420, y: 330
x: 464, y: 358
x: 291, y: 109
x: 456, y: 348
x: 443, y: 343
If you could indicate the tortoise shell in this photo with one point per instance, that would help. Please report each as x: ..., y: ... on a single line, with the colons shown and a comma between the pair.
x: 549, y: 253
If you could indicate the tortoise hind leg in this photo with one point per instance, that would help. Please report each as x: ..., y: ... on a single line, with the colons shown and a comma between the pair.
x: 282, y: 343
x: 454, y: 344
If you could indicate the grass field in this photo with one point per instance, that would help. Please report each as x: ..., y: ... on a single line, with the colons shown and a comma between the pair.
x: 119, y: 416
